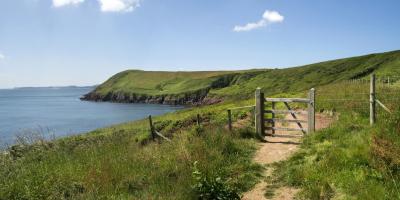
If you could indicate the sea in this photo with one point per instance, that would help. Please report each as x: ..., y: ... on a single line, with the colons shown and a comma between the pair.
x: 53, y: 112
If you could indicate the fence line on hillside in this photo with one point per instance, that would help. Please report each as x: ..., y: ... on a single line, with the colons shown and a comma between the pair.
x: 375, y: 91
x: 362, y: 95
x: 154, y: 133
x: 372, y: 94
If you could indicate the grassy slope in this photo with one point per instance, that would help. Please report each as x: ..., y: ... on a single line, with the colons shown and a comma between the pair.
x: 292, y: 80
x: 118, y: 168
x: 119, y: 162
x: 115, y: 162
x: 287, y: 80
x: 157, y: 83
x: 351, y: 159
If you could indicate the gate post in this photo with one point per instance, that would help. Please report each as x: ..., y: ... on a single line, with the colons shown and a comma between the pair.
x: 259, y: 98
x: 311, y: 111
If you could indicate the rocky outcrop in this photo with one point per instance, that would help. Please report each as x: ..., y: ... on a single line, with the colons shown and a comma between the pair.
x: 190, y: 98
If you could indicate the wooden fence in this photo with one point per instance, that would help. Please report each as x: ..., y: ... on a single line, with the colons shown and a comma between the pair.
x: 238, y: 108
x: 265, y: 123
x: 262, y: 120
x: 154, y: 133
x: 375, y: 101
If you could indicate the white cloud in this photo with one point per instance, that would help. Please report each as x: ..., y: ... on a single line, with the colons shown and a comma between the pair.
x: 2, y: 57
x: 273, y: 16
x: 269, y: 17
x: 118, y: 5
x: 61, y: 3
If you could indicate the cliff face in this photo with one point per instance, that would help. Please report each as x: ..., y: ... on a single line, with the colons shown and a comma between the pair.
x: 192, y: 98
x: 195, y: 97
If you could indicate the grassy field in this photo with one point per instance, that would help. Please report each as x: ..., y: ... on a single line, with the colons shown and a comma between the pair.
x: 241, y: 85
x: 350, y: 160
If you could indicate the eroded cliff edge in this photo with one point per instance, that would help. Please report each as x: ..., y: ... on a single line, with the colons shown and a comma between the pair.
x: 197, y: 96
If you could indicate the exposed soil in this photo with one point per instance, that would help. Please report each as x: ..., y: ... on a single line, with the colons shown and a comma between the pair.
x: 279, y: 148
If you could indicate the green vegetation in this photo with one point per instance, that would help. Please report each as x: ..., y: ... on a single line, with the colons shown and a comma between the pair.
x: 240, y: 85
x: 350, y: 160
x: 298, y: 79
x: 120, y: 162
x: 212, y: 188
x: 118, y: 166
x: 157, y: 83
x: 343, y: 162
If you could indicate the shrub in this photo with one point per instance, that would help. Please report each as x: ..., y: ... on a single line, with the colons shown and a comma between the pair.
x: 208, y: 188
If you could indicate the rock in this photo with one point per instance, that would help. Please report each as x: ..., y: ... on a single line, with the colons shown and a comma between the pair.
x: 189, y: 98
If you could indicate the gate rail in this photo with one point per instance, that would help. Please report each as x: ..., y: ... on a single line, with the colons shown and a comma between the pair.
x: 261, y: 111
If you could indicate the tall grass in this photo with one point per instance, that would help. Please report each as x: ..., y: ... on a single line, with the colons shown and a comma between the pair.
x: 117, y: 167
x: 351, y: 159
x: 385, y: 150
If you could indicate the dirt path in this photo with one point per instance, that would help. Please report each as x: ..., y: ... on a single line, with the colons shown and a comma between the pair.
x: 279, y: 148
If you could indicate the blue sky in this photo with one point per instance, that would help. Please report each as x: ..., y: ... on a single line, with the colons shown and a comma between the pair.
x: 84, y: 42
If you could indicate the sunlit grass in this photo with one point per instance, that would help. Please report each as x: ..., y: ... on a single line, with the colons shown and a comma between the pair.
x: 350, y: 159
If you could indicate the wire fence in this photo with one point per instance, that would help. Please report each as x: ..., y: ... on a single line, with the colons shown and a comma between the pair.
x: 345, y: 96
x: 354, y: 95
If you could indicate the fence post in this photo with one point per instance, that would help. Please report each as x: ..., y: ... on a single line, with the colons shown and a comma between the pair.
x: 198, y: 120
x: 230, y: 120
x: 153, y: 134
x: 372, y: 103
x: 273, y: 118
x: 311, y: 111
x: 260, y: 128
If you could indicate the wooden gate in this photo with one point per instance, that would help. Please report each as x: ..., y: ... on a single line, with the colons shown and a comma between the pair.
x: 262, y: 120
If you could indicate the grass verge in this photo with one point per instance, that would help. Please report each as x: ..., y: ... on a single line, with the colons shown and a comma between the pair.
x: 341, y: 162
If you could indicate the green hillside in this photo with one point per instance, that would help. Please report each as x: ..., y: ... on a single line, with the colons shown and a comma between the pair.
x: 195, y: 87
x: 349, y: 160
x: 157, y: 82
x: 302, y: 78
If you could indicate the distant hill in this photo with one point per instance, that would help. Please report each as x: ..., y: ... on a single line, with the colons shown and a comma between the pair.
x: 213, y: 86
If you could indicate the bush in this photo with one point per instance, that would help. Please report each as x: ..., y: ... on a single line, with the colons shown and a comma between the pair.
x: 212, y: 188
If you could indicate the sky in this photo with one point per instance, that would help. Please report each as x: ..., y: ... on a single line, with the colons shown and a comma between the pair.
x: 84, y: 42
